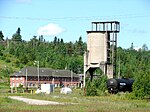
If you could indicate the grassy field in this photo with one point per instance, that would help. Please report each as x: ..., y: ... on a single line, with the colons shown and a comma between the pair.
x: 108, y: 103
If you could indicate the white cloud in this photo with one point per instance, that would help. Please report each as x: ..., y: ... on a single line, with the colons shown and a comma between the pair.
x: 50, y: 30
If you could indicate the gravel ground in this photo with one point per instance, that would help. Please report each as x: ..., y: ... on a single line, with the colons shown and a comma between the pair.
x: 34, y: 101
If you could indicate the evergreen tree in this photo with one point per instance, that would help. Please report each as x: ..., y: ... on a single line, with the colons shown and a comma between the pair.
x: 132, y: 46
x: 144, y: 47
x: 61, y: 41
x: 55, y: 40
x: 17, y: 36
x: 1, y: 36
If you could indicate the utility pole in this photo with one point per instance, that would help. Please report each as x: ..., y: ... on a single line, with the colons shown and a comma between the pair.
x: 38, y: 69
x: 119, y: 68
x: 26, y: 78
x: 71, y: 78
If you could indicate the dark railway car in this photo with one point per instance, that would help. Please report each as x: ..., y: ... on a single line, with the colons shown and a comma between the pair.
x: 119, y: 85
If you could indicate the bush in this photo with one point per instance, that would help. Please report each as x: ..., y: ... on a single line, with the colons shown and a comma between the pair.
x: 141, y: 86
x: 1, y: 54
x: 100, y: 83
x: 4, y: 72
x: 3, y: 58
x: 97, y: 86
x: 91, y: 89
x: 20, y: 89
x: 7, y: 60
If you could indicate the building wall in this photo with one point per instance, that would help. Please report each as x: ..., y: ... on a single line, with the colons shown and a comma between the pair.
x: 97, y: 47
x: 98, y: 53
x: 15, y: 81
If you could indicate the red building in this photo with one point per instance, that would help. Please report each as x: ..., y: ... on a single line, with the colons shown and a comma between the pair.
x: 32, y: 77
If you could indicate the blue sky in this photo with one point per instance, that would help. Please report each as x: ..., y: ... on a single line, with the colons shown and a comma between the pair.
x: 70, y: 19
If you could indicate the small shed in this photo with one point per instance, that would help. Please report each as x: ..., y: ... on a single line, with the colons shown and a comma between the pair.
x: 47, y: 88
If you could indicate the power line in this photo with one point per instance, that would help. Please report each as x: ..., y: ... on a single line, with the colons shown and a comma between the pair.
x: 128, y: 16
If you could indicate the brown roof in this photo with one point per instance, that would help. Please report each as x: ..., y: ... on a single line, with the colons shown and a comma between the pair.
x: 33, y: 71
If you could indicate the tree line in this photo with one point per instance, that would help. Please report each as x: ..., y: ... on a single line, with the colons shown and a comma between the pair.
x: 58, y: 54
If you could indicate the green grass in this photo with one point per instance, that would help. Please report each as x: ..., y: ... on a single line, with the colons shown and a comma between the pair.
x: 109, y: 103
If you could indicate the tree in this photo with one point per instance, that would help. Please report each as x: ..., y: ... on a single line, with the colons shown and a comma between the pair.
x: 69, y: 48
x: 91, y: 89
x: 79, y: 47
x: 61, y: 41
x: 97, y: 86
x: 132, y: 47
x: 75, y: 63
x: 100, y: 83
x: 1, y: 36
x: 144, y: 47
x: 55, y: 40
x: 141, y: 86
x: 17, y: 36
x: 41, y: 39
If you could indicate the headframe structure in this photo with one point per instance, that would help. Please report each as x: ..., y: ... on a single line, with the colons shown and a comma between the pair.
x: 101, y: 50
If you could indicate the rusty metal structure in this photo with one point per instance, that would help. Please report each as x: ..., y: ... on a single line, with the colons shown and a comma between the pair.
x: 101, y: 48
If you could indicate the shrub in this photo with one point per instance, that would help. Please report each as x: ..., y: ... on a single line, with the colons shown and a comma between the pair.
x: 97, y: 86
x: 3, y: 57
x: 1, y: 54
x: 100, y: 83
x: 141, y: 86
x: 20, y: 89
x: 91, y: 89
x: 7, y: 60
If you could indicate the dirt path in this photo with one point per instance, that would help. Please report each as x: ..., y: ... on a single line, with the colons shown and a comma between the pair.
x: 34, y: 101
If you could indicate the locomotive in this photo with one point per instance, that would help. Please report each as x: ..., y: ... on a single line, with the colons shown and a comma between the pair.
x: 119, y: 85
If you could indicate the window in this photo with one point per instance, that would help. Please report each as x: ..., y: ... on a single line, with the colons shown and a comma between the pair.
x: 34, y: 78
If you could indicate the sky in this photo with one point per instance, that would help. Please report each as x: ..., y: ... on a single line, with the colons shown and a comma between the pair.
x: 70, y: 19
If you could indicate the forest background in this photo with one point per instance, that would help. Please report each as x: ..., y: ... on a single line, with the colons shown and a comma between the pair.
x: 16, y: 53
